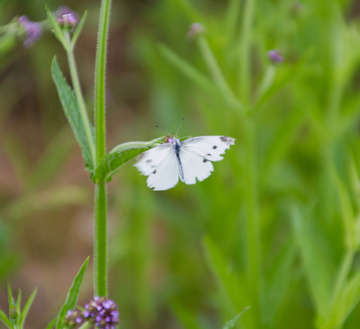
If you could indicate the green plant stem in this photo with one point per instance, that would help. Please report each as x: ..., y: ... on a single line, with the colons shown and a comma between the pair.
x: 80, y: 97
x: 100, y: 243
x: 100, y: 70
x: 252, y: 217
x: 100, y: 247
x: 244, y: 56
x: 216, y: 73
x: 86, y: 325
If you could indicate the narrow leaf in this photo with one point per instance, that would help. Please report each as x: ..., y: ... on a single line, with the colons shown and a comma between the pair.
x: 51, y: 324
x: 18, y: 312
x: 231, y: 324
x: 78, y: 30
x: 348, y: 299
x: 72, y: 113
x: 5, y: 320
x: 56, y: 28
x: 121, y: 154
x: 26, y: 309
x: 318, y: 264
x: 72, y: 295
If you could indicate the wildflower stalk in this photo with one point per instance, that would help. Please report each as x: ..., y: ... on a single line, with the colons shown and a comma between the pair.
x: 217, y: 75
x: 78, y: 94
x: 100, y: 243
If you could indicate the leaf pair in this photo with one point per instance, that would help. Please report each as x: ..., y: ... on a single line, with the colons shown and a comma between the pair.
x: 16, y: 316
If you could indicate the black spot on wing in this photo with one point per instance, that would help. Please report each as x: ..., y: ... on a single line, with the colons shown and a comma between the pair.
x: 154, y: 172
x: 224, y: 138
x: 148, y: 161
x: 209, y: 155
x: 214, y: 147
x: 205, y: 160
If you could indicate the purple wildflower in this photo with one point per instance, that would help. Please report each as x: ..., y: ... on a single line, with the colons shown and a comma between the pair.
x: 33, y: 30
x: 66, y: 18
x: 104, y: 313
x: 275, y: 56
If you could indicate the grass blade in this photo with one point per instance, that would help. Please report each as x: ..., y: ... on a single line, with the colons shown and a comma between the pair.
x: 26, y: 309
x: 72, y: 296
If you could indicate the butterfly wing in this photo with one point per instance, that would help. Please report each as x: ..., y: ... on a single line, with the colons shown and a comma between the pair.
x: 161, y: 167
x: 197, y: 153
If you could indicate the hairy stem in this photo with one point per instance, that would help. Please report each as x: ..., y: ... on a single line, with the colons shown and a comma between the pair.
x: 100, y: 243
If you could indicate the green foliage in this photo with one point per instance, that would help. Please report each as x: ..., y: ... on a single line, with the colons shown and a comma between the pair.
x: 231, y: 324
x: 72, y: 112
x: 121, y: 154
x: 72, y: 296
x: 16, y: 316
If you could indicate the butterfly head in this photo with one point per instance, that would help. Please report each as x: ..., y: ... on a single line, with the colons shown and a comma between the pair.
x: 173, y: 140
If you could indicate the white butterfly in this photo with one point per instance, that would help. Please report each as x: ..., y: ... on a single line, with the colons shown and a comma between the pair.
x: 189, y: 160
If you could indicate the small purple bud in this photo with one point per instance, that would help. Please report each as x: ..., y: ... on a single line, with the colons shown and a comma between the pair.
x: 99, y: 307
x: 108, y: 319
x: 195, y: 30
x: 33, y: 30
x: 96, y: 298
x: 86, y: 314
x: 98, y: 318
x: 66, y: 18
x: 78, y: 319
x: 69, y: 313
x: 114, y: 313
x: 275, y: 56
x: 108, y: 303
x: 170, y: 140
x: 86, y: 306
x: 93, y: 314
x: 102, y: 312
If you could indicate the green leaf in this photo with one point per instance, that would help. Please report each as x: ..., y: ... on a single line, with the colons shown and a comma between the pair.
x: 346, y: 302
x: 18, y: 312
x: 231, y: 324
x: 72, y: 113
x: 12, y: 307
x: 78, y: 30
x: 51, y: 324
x: 72, y: 296
x: 121, y: 154
x: 57, y: 29
x: 5, y: 320
x: 26, y: 309
x: 317, y: 260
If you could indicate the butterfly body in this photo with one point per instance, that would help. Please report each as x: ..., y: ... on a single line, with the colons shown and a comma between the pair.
x: 189, y: 160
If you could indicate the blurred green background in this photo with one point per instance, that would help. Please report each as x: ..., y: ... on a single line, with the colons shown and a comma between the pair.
x: 180, y: 258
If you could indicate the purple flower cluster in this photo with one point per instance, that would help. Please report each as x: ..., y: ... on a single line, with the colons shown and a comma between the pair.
x: 102, y: 312
x: 33, y: 30
x: 66, y: 18
x: 275, y: 56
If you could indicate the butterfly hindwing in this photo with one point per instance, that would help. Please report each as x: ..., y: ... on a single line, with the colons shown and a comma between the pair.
x: 160, y: 165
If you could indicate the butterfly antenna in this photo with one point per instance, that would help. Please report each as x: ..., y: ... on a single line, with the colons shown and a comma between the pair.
x: 162, y: 129
x: 180, y: 126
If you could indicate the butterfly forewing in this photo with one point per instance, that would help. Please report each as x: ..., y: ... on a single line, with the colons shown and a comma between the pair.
x: 209, y: 147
